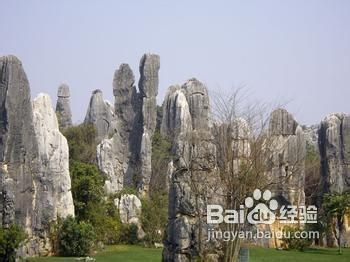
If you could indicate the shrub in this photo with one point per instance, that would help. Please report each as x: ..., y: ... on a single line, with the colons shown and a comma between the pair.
x: 75, y: 238
x: 10, y: 239
x: 154, y: 217
x: 128, y: 234
x: 294, y: 243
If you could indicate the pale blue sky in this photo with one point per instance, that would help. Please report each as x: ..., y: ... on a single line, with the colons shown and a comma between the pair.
x: 281, y: 50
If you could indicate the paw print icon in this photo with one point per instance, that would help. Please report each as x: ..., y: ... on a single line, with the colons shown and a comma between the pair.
x: 261, y: 213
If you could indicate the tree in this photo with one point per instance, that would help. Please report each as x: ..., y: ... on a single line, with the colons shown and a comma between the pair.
x: 87, y: 189
x: 336, y: 206
x: 10, y: 240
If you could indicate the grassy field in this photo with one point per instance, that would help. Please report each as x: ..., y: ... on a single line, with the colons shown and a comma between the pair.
x: 135, y: 254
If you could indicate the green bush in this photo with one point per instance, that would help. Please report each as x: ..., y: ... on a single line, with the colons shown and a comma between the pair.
x: 82, y: 143
x: 10, y: 239
x: 75, y: 238
x: 293, y: 243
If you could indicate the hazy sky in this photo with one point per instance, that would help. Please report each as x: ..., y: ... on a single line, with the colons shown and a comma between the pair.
x: 280, y: 50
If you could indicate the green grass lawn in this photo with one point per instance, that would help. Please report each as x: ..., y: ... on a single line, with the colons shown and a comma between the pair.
x: 258, y: 254
x: 124, y: 253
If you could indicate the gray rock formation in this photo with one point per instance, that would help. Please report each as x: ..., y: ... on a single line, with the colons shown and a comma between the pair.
x: 288, y: 150
x: 117, y: 157
x: 130, y: 209
x: 54, y: 161
x: 334, y: 142
x: 186, y: 123
x: 176, y: 114
x: 148, y: 86
x: 29, y: 194
x: 311, y: 136
x: 101, y: 114
x: 63, y: 110
x: 125, y: 159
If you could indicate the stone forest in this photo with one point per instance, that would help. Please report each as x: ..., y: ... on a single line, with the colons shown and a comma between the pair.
x: 140, y: 173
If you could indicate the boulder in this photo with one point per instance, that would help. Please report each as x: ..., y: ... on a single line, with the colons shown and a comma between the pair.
x: 130, y: 209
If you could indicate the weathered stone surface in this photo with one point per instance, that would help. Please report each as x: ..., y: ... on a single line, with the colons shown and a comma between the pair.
x: 63, y: 110
x: 311, y: 136
x: 282, y: 123
x: 113, y: 163
x: 130, y: 209
x: 100, y: 113
x: 176, y: 114
x: 288, y: 150
x: 148, y: 86
x: 118, y: 157
x: 56, y: 199
x: 334, y: 141
x: 126, y: 157
x: 187, y: 126
x: 198, y: 102
x: 29, y: 193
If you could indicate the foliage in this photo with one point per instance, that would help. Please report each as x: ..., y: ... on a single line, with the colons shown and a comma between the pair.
x: 82, y: 143
x: 75, y: 238
x: 90, y: 202
x: 154, y: 217
x: 312, y: 175
x: 87, y: 189
x: 292, y: 242
x: 10, y: 239
x: 161, y: 155
x: 125, y: 191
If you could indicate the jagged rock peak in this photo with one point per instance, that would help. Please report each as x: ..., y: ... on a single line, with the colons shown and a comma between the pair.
x: 127, y: 103
x: 282, y: 123
x: 198, y: 100
x: 149, y: 67
x: 100, y: 113
x: 63, y: 91
x: 63, y: 109
x: 123, y: 81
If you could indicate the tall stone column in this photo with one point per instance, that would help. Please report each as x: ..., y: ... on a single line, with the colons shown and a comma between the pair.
x: 63, y: 110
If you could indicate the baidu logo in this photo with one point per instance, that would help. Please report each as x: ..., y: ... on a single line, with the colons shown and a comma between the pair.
x: 261, y: 209
x: 262, y: 213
